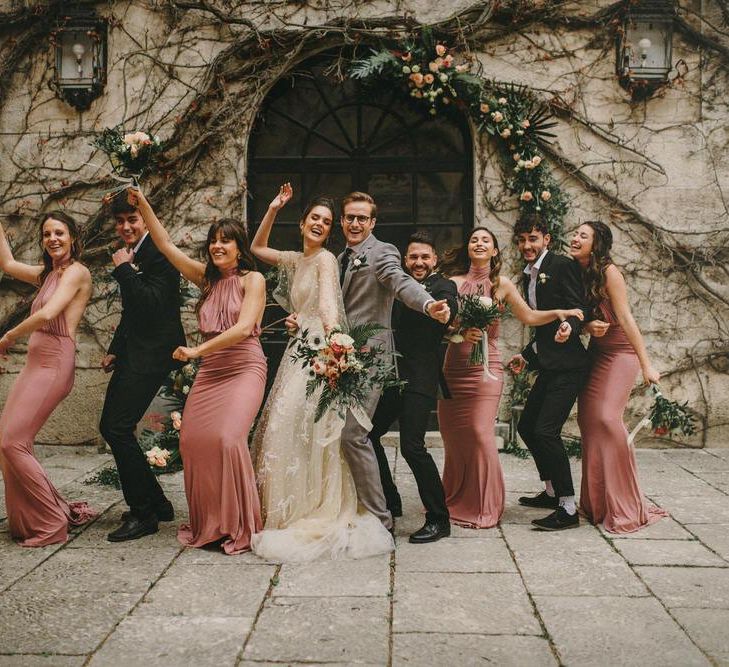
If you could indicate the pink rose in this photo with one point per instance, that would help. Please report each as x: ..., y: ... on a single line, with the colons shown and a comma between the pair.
x: 428, y: 78
x: 546, y: 195
x: 505, y: 133
x: 525, y: 124
x: 526, y: 196
x: 497, y: 116
x: 433, y: 67
x: 448, y: 60
x: 536, y: 160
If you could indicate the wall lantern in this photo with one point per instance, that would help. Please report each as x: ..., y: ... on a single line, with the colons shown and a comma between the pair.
x: 645, y: 46
x: 80, y: 43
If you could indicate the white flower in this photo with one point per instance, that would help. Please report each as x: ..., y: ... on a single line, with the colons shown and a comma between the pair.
x: 416, y: 69
x: 543, y: 277
x: 486, y: 301
x: 186, y: 390
x: 502, y: 100
x: 406, y: 70
x: 456, y: 338
x: 342, y: 339
x: 443, y: 78
x: 357, y: 262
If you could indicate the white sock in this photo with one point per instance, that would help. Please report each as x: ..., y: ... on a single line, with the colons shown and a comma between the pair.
x: 549, y: 488
x: 568, y: 502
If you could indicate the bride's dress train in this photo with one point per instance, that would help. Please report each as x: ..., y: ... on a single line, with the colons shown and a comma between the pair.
x: 308, y: 499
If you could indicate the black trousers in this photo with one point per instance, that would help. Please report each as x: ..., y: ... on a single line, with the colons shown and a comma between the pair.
x: 128, y: 396
x: 413, y: 411
x: 547, y: 409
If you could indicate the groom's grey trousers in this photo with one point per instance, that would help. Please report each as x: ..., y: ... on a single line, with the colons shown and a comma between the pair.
x: 360, y: 455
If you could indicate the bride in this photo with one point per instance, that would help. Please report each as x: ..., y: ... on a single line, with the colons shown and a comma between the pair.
x: 308, y: 499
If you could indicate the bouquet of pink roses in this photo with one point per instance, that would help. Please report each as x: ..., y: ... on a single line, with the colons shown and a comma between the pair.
x: 344, y: 367
x: 477, y: 312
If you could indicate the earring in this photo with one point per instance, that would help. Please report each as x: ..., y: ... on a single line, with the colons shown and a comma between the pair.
x: 239, y: 256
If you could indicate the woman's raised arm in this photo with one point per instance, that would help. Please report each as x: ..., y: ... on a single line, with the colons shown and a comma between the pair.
x: 259, y: 245
x: 190, y: 268
x: 28, y: 273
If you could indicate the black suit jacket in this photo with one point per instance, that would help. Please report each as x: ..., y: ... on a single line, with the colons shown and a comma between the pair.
x: 418, y: 338
x: 560, y: 286
x: 150, y: 328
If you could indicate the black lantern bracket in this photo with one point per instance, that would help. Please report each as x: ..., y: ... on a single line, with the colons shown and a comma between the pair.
x: 79, y: 39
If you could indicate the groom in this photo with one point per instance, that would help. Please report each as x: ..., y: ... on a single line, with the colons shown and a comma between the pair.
x: 139, y: 357
x: 371, y: 278
x: 556, y: 353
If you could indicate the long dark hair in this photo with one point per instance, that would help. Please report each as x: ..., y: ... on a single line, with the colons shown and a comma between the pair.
x: 73, y: 232
x: 456, y: 261
x: 229, y: 229
x: 325, y: 201
x: 593, y: 275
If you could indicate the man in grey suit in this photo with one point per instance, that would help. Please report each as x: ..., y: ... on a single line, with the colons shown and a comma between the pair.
x: 372, y: 276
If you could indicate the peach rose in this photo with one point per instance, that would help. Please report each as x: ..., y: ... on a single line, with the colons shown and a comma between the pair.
x: 546, y: 195
x: 526, y: 196
x: 417, y: 79
x: 505, y: 133
x: 428, y: 78
x: 440, y: 49
x: 484, y: 107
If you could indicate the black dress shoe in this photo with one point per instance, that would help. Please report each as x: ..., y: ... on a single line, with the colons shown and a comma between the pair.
x: 542, y: 499
x: 134, y: 528
x: 430, y: 532
x: 558, y: 520
x: 164, y: 512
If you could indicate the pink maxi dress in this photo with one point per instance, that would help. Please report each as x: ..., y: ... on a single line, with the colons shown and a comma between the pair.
x: 37, y: 514
x: 610, y: 492
x: 228, y: 390
x: 472, y: 476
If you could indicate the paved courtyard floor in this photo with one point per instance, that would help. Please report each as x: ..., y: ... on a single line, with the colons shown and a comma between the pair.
x: 505, y: 596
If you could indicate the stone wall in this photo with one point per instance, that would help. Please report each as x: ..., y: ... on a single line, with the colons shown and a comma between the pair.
x: 657, y: 171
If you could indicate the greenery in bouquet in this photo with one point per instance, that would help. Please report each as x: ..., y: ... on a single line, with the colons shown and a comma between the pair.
x: 343, y: 367
x: 669, y: 417
x: 132, y: 154
x: 160, y: 441
x: 476, y: 312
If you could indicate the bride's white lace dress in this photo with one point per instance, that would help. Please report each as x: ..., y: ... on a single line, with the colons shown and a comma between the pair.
x: 308, y: 499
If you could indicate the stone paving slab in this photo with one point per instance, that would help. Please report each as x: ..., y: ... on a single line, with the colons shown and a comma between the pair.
x: 714, y: 509
x: 338, y: 629
x: 705, y: 587
x: 715, y: 536
x: 665, y: 529
x: 369, y: 577
x: 616, y: 631
x: 574, y: 562
x: 71, y: 622
x: 208, y: 590
x: 28, y: 660
x: 696, y: 460
x: 708, y: 628
x: 668, y: 552
x: 455, y: 555
x: 428, y: 649
x: 187, y: 641
x: 463, y: 603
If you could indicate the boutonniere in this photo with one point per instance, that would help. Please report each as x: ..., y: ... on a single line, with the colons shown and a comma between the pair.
x: 543, y: 278
x: 359, y: 262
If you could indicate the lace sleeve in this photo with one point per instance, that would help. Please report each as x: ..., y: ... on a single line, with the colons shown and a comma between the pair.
x: 331, y: 304
x: 287, y: 260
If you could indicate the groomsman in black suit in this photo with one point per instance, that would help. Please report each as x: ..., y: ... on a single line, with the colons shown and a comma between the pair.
x: 418, y: 339
x: 139, y: 358
x: 556, y: 352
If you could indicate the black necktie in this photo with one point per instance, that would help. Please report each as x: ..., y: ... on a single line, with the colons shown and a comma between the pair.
x: 345, y: 264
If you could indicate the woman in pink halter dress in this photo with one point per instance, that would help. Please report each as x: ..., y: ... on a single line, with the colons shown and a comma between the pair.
x: 228, y: 390
x: 37, y: 514
x: 610, y: 492
x: 472, y: 476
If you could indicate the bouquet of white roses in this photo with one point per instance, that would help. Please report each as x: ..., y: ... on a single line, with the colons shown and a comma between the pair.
x: 344, y: 367
x: 131, y: 154
x: 477, y: 312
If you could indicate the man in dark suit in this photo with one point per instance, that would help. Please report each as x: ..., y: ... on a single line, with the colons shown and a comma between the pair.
x: 556, y: 352
x: 418, y: 339
x: 140, y: 356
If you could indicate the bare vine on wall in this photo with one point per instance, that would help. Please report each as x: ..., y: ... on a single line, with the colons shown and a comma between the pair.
x: 199, y: 77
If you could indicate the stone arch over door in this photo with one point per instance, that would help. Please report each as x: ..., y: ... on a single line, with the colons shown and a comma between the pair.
x: 327, y: 136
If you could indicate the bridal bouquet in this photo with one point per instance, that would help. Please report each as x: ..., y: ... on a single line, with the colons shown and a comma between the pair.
x: 666, y: 417
x: 344, y: 367
x: 132, y: 154
x: 477, y: 312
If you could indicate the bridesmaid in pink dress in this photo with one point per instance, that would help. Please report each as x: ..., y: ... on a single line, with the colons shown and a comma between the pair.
x: 472, y: 476
x: 37, y: 514
x: 228, y: 391
x: 610, y: 492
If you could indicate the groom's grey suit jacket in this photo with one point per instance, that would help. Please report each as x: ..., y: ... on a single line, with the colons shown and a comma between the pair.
x: 374, y: 278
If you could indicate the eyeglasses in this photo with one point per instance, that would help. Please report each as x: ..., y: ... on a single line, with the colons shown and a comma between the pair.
x: 361, y: 219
